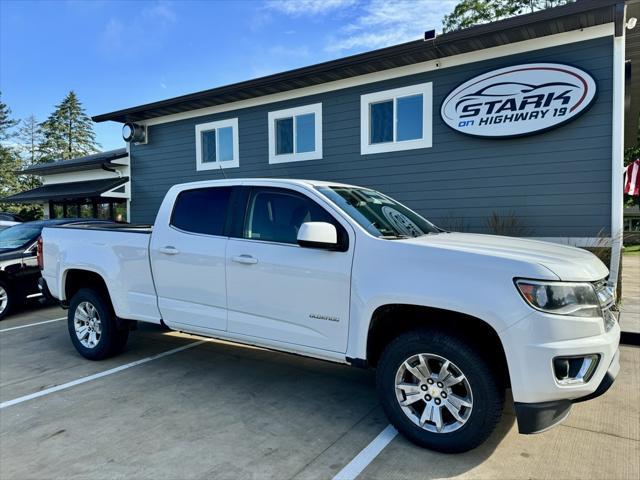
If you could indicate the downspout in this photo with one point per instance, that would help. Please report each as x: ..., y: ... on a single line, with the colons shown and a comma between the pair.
x: 617, y: 143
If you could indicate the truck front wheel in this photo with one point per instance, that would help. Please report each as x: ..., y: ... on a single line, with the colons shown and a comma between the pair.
x: 439, y: 391
x: 92, y: 326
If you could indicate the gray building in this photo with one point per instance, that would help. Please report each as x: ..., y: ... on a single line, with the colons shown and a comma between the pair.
x: 416, y: 121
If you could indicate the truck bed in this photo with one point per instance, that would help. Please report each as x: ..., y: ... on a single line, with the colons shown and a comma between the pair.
x: 117, y: 252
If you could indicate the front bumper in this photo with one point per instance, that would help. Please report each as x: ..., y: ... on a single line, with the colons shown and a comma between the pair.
x: 532, y: 344
x: 538, y: 417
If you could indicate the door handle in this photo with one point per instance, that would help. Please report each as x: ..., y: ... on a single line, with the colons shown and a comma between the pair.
x: 169, y: 250
x: 246, y: 259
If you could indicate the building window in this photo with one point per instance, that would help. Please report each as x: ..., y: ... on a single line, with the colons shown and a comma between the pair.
x: 295, y: 134
x: 398, y: 119
x: 100, y: 208
x: 217, y: 145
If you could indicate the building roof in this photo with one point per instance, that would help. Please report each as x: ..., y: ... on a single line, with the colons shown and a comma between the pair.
x: 66, y: 191
x: 87, y: 162
x: 574, y: 16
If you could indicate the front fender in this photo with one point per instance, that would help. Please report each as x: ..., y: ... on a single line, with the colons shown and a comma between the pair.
x: 470, y: 284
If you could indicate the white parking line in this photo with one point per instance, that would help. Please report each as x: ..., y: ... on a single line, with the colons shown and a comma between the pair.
x: 95, y: 376
x: 367, y: 455
x: 32, y: 324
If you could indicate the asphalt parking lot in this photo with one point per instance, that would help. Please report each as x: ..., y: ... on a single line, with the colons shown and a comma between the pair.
x: 217, y: 410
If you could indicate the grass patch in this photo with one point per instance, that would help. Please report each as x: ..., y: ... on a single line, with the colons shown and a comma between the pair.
x: 632, y: 250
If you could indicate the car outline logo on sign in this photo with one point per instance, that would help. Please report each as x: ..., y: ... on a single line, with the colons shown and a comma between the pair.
x: 519, y: 100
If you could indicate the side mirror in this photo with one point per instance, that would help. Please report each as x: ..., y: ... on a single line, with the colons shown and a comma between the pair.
x: 318, y: 235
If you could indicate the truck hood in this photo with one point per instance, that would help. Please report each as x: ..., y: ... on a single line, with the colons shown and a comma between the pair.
x: 568, y: 263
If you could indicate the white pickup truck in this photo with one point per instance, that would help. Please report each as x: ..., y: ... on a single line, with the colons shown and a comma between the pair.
x: 347, y: 274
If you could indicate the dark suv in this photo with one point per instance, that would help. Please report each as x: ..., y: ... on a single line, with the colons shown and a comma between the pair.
x: 9, y: 219
x: 19, y: 272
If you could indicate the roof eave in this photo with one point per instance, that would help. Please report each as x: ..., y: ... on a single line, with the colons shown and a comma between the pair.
x: 530, y: 19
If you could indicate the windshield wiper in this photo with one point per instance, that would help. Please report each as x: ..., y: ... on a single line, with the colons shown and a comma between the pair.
x: 394, y: 237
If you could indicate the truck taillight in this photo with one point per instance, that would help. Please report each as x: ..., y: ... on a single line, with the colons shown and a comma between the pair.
x: 40, y: 256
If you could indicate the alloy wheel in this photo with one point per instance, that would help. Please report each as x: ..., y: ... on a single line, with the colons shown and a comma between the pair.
x: 87, y: 324
x: 433, y: 393
x: 4, y: 299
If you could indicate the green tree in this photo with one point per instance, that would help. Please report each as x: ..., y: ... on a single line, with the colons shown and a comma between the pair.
x: 6, y: 122
x: 30, y: 138
x: 10, y: 163
x: 67, y: 132
x: 468, y: 13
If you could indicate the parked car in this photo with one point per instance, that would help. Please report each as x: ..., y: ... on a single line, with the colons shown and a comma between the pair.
x: 9, y: 219
x: 19, y: 272
x: 347, y: 274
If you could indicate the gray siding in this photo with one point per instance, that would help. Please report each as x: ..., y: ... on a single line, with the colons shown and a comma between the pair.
x: 558, y: 183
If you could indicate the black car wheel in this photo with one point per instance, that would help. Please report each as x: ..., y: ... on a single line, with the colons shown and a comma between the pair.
x: 6, y: 299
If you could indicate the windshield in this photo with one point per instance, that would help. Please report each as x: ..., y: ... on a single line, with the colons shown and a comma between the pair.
x: 18, y: 236
x: 380, y: 215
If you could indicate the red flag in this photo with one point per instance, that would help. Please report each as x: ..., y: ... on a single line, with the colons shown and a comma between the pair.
x: 632, y: 178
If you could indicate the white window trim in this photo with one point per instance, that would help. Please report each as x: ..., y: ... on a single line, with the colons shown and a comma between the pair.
x: 204, y: 127
x: 316, y: 109
x: 366, y: 100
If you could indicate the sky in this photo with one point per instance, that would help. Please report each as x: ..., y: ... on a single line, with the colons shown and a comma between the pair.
x: 117, y: 54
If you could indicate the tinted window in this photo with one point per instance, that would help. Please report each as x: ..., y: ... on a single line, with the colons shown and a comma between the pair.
x: 202, y: 210
x: 19, y: 235
x: 276, y: 215
x: 378, y: 214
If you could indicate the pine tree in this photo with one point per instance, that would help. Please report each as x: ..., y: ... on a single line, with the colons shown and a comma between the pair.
x: 30, y: 137
x: 6, y: 122
x: 468, y: 13
x: 67, y: 132
x: 10, y: 163
x: 9, y: 159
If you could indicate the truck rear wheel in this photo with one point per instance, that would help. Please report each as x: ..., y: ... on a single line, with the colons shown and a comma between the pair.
x: 439, y: 391
x: 92, y: 326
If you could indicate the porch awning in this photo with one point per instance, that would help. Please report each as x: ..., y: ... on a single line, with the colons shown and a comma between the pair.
x: 66, y: 191
x: 88, y: 162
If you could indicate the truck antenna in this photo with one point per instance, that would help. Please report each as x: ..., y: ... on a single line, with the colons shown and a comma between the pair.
x: 222, y: 170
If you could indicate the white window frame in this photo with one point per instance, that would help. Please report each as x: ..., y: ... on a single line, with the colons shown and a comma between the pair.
x: 426, y: 89
x: 205, y: 127
x: 316, y: 154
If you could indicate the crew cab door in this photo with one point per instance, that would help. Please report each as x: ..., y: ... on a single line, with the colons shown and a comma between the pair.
x: 188, y: 260
x: 280, y: 291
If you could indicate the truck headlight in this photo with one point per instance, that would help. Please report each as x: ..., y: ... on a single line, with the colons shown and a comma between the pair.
x: 561, y: 298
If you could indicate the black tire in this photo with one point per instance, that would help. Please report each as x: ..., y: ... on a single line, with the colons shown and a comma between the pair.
x: 488, y: 396
x: 112, y: 340
x: 4, y: 312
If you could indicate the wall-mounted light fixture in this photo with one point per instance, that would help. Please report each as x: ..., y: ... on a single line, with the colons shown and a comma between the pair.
x: 133, y: 132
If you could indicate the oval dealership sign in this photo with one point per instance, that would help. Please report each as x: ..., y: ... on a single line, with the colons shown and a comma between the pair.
x: 519, y: 100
